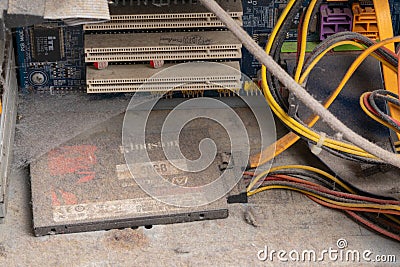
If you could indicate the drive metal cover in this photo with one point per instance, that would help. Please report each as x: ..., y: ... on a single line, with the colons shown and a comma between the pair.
x: 86, y: 185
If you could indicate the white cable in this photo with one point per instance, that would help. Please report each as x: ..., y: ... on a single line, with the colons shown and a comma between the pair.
x: 296, y: 89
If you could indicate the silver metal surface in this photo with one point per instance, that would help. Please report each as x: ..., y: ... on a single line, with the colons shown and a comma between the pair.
x: 7, y: 123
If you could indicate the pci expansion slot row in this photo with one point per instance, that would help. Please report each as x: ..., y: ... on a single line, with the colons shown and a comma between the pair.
x: 139, y: 34
x: 195, y: 78
x: 177, y: 46
x: 173, y: 16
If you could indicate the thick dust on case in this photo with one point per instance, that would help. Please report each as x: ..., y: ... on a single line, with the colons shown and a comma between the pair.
x: 85, y: 184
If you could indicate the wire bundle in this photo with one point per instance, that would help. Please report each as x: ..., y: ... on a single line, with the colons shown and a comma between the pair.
x: 368, y: 102
x: 297, y: 90
x: 302, y: 129
x: 375, y: 212
x: 317, y: 184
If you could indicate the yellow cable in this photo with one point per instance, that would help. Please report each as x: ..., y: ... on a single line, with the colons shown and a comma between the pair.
x: 353, y: 67
x: 311, y: 135
x: 303, y: 45
x: 393, y: 218
x: 385, y: 28
x: 353, y: 43
x: 311, y: 122
x: 291, y: 138
x: 267, y: 49
x: 308, y: 133
x: 349, y: 205
x: 297, y: 127
x: 302, y: 167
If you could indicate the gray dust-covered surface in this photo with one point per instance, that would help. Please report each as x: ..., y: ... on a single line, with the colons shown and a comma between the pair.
x: 46, y: 121
x: 99, y: 192
x: 282, y: 221
x: 276, y: 219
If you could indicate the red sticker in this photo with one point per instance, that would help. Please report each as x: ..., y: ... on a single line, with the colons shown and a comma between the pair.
x: 77, y: 160
x: 59, y: 196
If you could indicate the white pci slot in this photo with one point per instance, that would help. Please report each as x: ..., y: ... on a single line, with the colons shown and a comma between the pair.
x: 171, y: 16
x: 140, y: 77
x: 172, y: 46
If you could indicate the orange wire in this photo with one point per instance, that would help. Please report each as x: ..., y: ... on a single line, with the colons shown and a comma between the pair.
x: 318, y: 187
x: 334, y: 206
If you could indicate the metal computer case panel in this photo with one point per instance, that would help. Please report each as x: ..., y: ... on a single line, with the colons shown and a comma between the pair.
x: 7, y: 123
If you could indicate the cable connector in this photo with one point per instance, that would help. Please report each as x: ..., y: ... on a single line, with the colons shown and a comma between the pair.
x: 239, y: 198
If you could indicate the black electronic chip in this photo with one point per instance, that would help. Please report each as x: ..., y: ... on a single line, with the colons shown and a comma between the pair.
x: 47, y: 43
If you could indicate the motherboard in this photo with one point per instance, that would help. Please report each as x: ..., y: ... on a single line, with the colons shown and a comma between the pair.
x: 52, y: 56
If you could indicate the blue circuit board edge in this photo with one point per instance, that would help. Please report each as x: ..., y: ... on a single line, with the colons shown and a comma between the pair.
x: 67, y: 73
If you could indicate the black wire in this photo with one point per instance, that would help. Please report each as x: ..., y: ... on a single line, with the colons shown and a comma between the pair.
x: 353, y: 157
x: 337, y: 153
x: 322, y: 47
x: 381, y: 221
x: 347, y: 36
x: 382, y: 94
x: 274, y: 84
x: 324, y: 181
x: 335, y: 186
x: 393, y: 99
x: 311, y: 176
x: 314, y: 191
x: 371, y: 218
